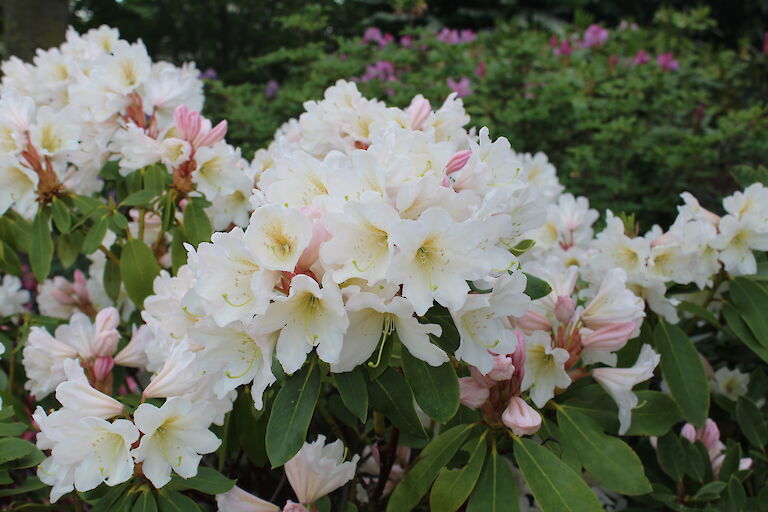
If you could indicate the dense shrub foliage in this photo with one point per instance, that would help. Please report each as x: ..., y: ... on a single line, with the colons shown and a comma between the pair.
x: 631, y: 120
x: 385, y: 309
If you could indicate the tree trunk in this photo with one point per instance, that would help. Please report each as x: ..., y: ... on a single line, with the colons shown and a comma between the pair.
x: 32, y: 24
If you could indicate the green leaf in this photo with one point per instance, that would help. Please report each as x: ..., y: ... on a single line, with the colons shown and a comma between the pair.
x: 751, y: 300
x: 207, y: 481
x: 197, y: 225
x: 108, y: 502
x: 178, y: 251
x: 671, y: 455
x: 292, y: 413
x: 12, y: 429
x: 496, y: 490
x: 138, y: 268
x: 41, y: 246
x: 61, y: 216
x: 654, y: 415
x: 175, y: 502
x: 730, y: 462
x: 436, y: 388
x: 703, y: 313
x: 683, y: 371
x: 68, y: 247
x: 434, y: 457
x: 710, y: 491
x: 112, y: 280
x: 536, y: 288
x: 12, y: 448
x: 140, y: 198
x: 609, y: 459
x: 745, y: 175
x: 741, y: 330
x: 30, y: 484
x: 145, y: 502
x: 556, y: 487
x: 95, y: 235
x: 118, y: 221
x: 751, y: 421
x: 391, y: 395
x: 156, y: 178
x: 9, y: 261
x: 735, y: 497
x: 453, y: 486
x: 353, y: 388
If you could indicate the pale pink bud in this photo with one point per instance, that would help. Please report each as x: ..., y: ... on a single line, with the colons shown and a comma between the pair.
x: 564, y: 308
x: 319, y: 236
x: 457, y: 161
x: 610, y: 337
x: 745, y: 464
x: 294, y: 507
x: 102, y: 367
x: 521, y: 418
x: 518, y: 357
x: 80, y: 286
x: 237, y: 500
x: 419, y: 112
x: 187, y: 122
x: 472, y: 393
x: 62, y: 297
x: 481, y: 379
x: 503, y: 369
x: 689, y: 432
x: 106, y: 335
x: 709, y: 434
x: 532, y: 321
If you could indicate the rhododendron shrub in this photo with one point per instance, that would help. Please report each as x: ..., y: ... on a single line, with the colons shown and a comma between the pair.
x: 386, y: 309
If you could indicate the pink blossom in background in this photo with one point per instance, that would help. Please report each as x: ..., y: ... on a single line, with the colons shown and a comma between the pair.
x: 595, y: 35
x: 480, y: 69
x: 406, y: 41
x: 560, y: 48
x: 374, y: 35
x: 667, y: 62
x: 613, y: 61
x: 765, y: 42
x: 271, y: 89
x: 451, y: 36
x: 209, y: 74
x: 461, y: 88
x: 641, y: 58
x: 382, y: 70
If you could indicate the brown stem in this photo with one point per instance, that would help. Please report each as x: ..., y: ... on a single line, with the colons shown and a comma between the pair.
x: 385, y: 468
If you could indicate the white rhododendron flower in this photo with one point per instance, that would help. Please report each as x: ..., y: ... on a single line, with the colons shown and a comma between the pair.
x: 319, y: 469
x: 544, y: 370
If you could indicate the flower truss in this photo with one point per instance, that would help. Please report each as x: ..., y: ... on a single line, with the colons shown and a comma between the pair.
x: 390, y: 254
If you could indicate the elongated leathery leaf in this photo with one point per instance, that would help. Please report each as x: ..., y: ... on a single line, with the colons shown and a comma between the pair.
x: 496, y: 490
x: 453, y: 486
x: 436, y: 388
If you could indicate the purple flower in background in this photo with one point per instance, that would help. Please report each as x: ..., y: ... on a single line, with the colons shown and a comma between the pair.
x: 595, y: 35
x: 667, y: 62
x: 641, y: 58
x: 461, y: 88
x: 374, y: 34
x: 270, y: 91
x: 558, y: 48
x: 451, y: 36
x: 209, y: 74
x: 480, y: 69
x: 406, y: 41
x: 382, y: 70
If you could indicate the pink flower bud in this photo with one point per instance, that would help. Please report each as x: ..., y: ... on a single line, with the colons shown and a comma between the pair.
x: 610, y: 337
x: 457, y: 161
x: 106, y: 336
x: 503, y: 369
x: 564, y: 308
x: 532, y: 321
x: 709, y: 434
x: 188, y: 123
x: 472, y: 393
x: 521, y: 418
x: 518, y: 357
x: 319, y: 236
x: 102, y: 367
x: 419, y: 111
x: 80, y: 286
x: 689, y: 432
x: 211, y: 137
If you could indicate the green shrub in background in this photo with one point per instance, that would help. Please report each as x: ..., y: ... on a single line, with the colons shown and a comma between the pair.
x: 629, y: 134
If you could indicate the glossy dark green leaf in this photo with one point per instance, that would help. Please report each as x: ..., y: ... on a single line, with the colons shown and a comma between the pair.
x: 178, y: 252
x: 735, y: 497
x: 496, y: 490
x: 453, y: 486
x: 751, y: 299
x: 68, y: 247
x: 436, y: 388
x: 140, y: 198
x: 536, y: 288
x: 108, y: 501
x: 752, y: 422
x: 12, y: 429
x: 197, y: 225
x: 9, y: 261
x: 112, y: 280
x: 671, y: 456
x: 292, y: 413
x: 156, y: 178
x: 207, y: 481
x: 709, y: 491
x: 654, y: 415
x: 683, y: 371
x: 41, y: 246
x: 556, y: 487
x: 741, y: 330
x: 609, y: 459
x: 145, y: 502
x: 95, y: 235
x: 12, y: 448
x: 61, y: 215
x: 30, y: 484
x: 138, y: 268
x: 353, y: 388
x: 391, y: 395
x: 175, y: 502
x: 419, y: 478
x: 730, y: 462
